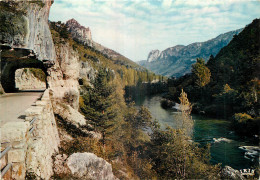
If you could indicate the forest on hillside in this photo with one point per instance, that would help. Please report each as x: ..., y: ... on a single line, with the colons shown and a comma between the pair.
x: 228, y: 85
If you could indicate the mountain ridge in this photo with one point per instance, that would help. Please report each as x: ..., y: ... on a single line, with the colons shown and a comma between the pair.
x: 177, y: 60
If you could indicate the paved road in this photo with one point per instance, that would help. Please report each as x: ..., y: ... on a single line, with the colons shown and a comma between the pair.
x: 13, y: 105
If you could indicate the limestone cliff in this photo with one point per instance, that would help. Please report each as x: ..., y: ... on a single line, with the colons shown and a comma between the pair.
x: 79, y: 33
x: 153, y: 55
x: 64, y: 74
x: 25, y: 25
x: 26, y: 30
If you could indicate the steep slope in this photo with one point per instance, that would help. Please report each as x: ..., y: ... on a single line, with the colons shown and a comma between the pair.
x: 176, y: 61
x: 238, y: 63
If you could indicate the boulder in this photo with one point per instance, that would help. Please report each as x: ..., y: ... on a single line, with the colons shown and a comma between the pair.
x: 229, y: 173
x: 89, y: 166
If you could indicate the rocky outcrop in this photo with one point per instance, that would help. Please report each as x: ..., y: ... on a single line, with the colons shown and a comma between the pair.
x: 176, y: 61
x: 89, y: 166
x: 79, y: 33
x: 86, y: 71
x: 73, y: 120
x: 26, y: 80
x: 153, y: 55
x: 70, y: 115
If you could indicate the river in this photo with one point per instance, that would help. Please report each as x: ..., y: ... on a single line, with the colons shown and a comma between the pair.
x: 224, y: 143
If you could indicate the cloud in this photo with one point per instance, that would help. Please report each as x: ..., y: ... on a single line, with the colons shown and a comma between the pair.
x: 167, y: 3
x: 134, y: 27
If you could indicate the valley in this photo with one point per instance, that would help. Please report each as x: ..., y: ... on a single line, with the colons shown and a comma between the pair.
x: 72, y: 108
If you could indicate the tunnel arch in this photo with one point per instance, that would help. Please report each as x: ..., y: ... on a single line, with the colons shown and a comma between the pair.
x: 10, y: 66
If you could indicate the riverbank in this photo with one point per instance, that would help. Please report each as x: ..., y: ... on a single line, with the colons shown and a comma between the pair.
x: 206, y: 129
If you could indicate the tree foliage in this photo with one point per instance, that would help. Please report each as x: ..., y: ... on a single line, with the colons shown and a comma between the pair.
x: 201, y: 72
x: 98, y: 103
x: 174, y: 157
x: 185, y: 118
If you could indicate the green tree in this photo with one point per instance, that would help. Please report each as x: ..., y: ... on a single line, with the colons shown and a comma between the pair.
x: 227, y: 101
x: 201, y: 72
x: 137, y: 121
x: 98, y: 103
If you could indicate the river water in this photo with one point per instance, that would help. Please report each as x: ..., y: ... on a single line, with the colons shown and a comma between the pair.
x: 224, y: 143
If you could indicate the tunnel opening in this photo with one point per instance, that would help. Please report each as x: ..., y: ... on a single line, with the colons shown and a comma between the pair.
x: 30, y: 79
x: 10, y: 66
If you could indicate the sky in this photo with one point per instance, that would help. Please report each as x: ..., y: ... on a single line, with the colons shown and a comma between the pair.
x: 135, y: 27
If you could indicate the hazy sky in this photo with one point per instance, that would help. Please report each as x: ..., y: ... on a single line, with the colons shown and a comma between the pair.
x: 135, y: 27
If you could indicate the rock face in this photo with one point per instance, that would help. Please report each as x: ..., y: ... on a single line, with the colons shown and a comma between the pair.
x: 63, y: 76
x: 78, y: 32
x: 229, y: 173
x: 89, y: 166
x: 176, y: 61
x: 86, y: 71
x: 25, y: 79
x: 82, y: 35
x: 153, y: 55
x: 1, y: 90
x: 26, y: 26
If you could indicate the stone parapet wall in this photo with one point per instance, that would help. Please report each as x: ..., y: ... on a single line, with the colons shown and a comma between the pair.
x: 31, y: 149
x: 16, y: 136
x: 45, y: 141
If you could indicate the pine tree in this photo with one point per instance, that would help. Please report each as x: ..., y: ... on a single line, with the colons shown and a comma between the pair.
x: 97, y: 105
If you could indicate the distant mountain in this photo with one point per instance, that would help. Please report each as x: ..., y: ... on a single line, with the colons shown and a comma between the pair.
x: 176, y: 61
